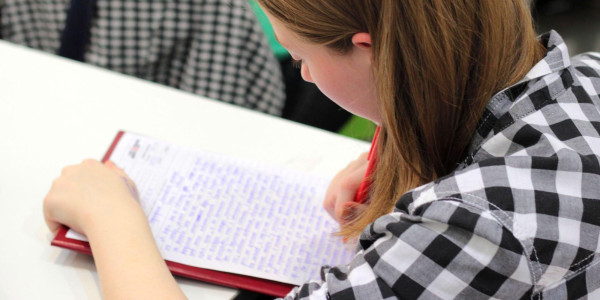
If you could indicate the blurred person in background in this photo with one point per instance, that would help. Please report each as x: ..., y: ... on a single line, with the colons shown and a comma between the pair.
x: 212, y: 48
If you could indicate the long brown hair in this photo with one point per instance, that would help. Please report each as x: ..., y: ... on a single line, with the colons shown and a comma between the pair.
x: 436, y: 63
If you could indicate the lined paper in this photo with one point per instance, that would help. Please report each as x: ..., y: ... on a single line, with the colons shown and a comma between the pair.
x: 228, y: 214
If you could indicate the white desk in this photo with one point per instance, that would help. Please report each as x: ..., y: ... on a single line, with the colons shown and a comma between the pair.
x: 55, y: 112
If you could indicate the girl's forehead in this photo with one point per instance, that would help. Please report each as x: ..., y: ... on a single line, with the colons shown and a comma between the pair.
x: 285, y: 36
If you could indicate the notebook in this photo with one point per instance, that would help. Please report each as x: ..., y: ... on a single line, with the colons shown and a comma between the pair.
x: 226, y: 220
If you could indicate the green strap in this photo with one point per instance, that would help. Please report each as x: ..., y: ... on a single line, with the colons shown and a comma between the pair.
x: 278, y: 50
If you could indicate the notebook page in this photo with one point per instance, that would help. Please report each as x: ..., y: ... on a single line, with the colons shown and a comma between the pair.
x: 212, y: 211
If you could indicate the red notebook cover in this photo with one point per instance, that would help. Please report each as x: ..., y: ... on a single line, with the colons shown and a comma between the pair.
x: 264, y: 286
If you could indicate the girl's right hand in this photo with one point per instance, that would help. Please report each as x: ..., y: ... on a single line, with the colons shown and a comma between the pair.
x: 339, y: 199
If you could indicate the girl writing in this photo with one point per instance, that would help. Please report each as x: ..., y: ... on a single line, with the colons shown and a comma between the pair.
x: 485, y: 170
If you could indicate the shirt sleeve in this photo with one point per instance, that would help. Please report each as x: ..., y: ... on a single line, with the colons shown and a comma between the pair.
x: 448, y: 251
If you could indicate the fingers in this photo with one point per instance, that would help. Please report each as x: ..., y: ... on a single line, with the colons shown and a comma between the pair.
x: 78, y: 190
x: 333, y: 189
x: 52, y: 225
x: 347, y: 192
x: 344, y: 186
x: 52, y: 199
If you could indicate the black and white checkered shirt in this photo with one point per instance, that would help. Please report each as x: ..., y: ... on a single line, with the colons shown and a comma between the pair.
x: 520, y: 219
x: 213, y: 48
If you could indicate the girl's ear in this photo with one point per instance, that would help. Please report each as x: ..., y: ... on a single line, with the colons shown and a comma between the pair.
x: 362, y: 40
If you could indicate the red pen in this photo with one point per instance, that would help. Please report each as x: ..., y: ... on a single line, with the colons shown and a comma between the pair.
x: 363, y: 189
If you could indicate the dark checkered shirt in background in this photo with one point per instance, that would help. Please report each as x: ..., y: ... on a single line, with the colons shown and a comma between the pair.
x: 214, y: 48
x: 520, y: 219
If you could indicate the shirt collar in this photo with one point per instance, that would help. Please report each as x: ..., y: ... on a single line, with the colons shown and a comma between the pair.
x: 555, y: 60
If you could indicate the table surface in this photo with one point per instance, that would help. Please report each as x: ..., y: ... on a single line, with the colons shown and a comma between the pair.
x: 55, y: 112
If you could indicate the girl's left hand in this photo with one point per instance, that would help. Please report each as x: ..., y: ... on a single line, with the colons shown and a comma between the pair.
x: 100, y: 201
x: 89, y: 193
